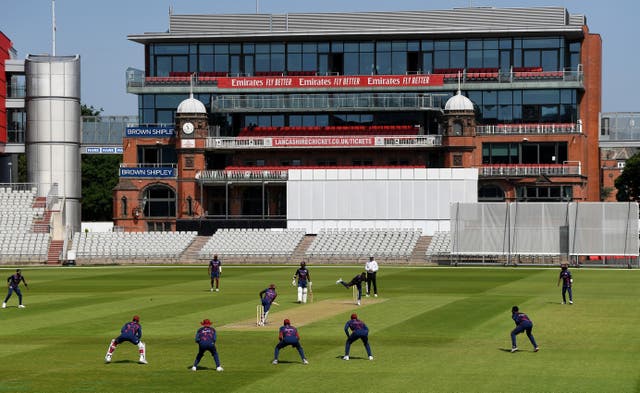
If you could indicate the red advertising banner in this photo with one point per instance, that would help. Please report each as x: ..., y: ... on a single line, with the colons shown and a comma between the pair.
x: 319, y: 82
x: 323, y: 141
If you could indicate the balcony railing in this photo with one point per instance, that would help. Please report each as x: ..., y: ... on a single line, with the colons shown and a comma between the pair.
x: 253, y: 175
x: 507, y: 129
x: 569, y: 168
x: 325, y: 141
x: 136, y: 78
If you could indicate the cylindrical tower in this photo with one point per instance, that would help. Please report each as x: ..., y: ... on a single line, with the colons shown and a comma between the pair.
x: 52, y: 137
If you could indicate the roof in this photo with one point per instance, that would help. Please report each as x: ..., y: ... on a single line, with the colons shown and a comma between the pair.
x: 458, y: 103
x: 191, y: 105
x: 194, y: 27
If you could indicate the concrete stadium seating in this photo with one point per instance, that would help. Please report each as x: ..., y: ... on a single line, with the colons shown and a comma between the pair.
x: 131, y: 245
x: 18, y: 243
x: 391, y: 243
x: 252, y: 242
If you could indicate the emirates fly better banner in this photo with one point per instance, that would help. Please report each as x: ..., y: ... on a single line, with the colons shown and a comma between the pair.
x: 318, y: 82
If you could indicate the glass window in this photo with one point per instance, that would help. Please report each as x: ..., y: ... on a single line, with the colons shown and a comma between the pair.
x: 171, y: 49
x: 310, y: 47
x: 366, y: 64
x: 540, y: 43
x: 262, y: 62
x: 248, y: 48
x: 309, y: 62
x: 294, y: 62
x: 205, y: 63
x: 383, y: 63
x: 505, y: 43
x: 441, y: 45
x: 323, y: 47
x: 337, y: 47
x: 384, y: 46
x: 457, y: 45
x: 221, y: 63
x: 427, y: 45
x: 277, y: 47
x: 277, y: 62
x: 235, y: 49
x: 474, y: 44
x: 159, y: 201
x: 163, y: 65
x: 262, y: 48
x: 351, y: 47
x: 550, y: 58
x: 490, y: 58
x: 474, y: 58
x: 413, y: 46
x: 180, y: 63
x: 206, y: 49
x: 222, y: 49
x: 399, y: 46
x: 399, y: 63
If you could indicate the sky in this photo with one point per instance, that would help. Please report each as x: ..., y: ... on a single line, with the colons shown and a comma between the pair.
x: 97, y: 31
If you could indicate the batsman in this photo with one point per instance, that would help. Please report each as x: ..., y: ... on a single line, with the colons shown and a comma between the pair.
x: 304, y: 282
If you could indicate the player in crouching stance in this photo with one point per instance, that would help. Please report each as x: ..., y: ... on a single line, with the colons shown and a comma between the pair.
x: 359, y: 331
x: 523, y: 324
x: 132, y: 332
x: 206, y: 338
x: 304, y: 280
x: 357, y: 281
x: 288, y: 335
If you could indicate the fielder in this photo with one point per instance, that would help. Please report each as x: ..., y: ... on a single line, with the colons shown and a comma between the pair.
x: 267, y: 297
x: 288, y: 335
x: 215, y: 270
x: 132, y: 332
x: 359, y: 331
x: 523, y: 324
x: 304, y: 280
x: 567, y: 283
x: 357, y: 281
x: 206, y: 338
x: 14, y: 286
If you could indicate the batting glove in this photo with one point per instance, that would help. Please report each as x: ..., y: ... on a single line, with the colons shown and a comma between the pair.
x: 293, y: 282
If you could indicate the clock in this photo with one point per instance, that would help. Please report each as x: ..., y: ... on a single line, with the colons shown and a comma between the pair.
x: 187, y: 128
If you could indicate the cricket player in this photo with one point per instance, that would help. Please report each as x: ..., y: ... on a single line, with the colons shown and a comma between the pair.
x: 359, y: 331
x: 371, y: 267
x: 14, y: 286
x: 304, y: 280
x: 215, y: 270
x: 132, y: 332
x: 567, y: 283
x: 267, y: 296
x: 288, y: 335
x: 206, y: 338
x: 357, y: 281
x: 523, y: 324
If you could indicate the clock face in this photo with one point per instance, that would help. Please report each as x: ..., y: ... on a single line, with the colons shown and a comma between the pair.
x: 187, y: 128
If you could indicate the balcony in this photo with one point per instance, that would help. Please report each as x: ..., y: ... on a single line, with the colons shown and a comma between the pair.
x: 569, y: 168
x: 137, y: 82
x: 324, y: 141
x: 245, y: 175
x: 515, y: 129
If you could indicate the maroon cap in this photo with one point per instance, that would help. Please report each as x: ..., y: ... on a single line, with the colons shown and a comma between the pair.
x: 206, y: 322
x: 136, y: 318
x: 272, y: 286
x: 354, y: 316
x: 287, y: 322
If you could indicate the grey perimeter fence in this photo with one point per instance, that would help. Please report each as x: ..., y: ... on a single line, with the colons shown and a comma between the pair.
x: 594, y: 233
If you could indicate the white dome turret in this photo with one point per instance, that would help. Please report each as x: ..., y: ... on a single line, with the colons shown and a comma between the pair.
x: 191, y: 105
x: 458, y: 103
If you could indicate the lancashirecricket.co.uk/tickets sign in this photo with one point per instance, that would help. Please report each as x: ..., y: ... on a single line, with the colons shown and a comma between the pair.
x: 318, y: 82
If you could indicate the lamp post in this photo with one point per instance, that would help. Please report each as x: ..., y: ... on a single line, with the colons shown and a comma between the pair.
x: 10, y: 164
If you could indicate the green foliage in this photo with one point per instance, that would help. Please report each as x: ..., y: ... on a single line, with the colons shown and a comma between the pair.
x: 628, y: 183
x: 99, y: 177
x: 90, y: 110
x: 433, y: 330
x: 22, y: 168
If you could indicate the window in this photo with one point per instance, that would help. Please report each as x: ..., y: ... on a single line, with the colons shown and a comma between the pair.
x: 159, y: 226
x: 123, y: 206
x: 490, y: 193
x: 159, y: 201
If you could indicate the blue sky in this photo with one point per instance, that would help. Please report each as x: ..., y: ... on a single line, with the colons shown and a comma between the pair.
x: 97, y: 30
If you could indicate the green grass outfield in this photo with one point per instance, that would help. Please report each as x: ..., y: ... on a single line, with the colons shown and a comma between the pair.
x: 431, y: 330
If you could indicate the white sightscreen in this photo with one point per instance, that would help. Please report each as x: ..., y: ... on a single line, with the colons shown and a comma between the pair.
x: 377, y: 197
x: 539, y: 228
x: 480, y: 228
x: 549, y: 228
x: 601, y: 228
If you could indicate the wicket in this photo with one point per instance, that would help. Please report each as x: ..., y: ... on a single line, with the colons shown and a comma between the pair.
x: 259, y: 314
x: 355, y: 294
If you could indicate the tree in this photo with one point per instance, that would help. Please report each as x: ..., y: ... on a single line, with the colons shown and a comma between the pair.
x: 628, y: 183
x: 99, y: 177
